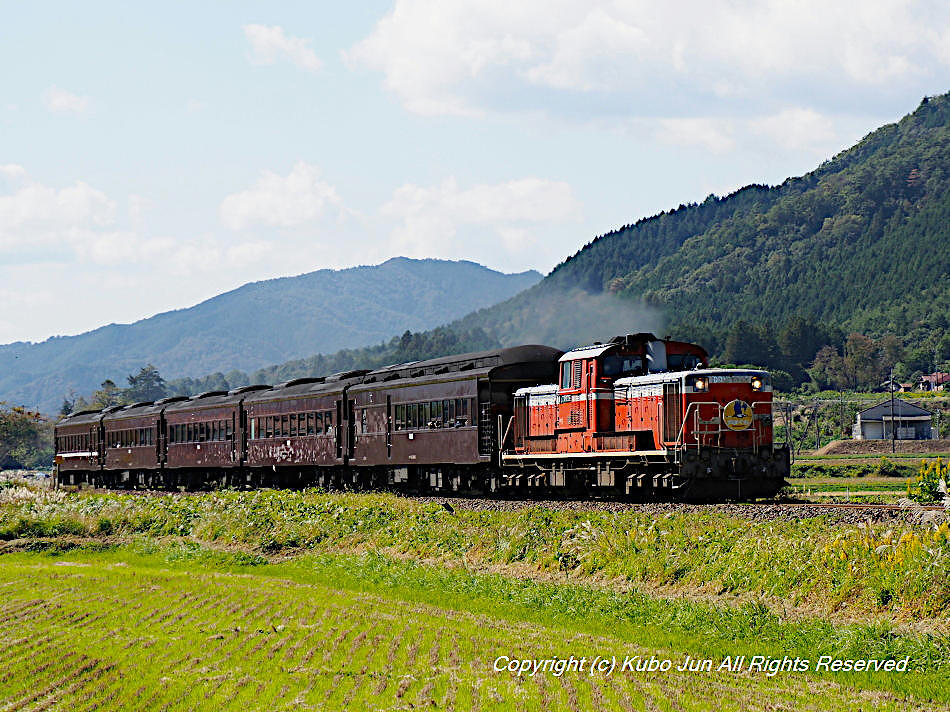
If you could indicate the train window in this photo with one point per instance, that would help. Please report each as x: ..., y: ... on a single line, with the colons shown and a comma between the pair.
x: 400, y: 417
x: 620, y: 366
x: 328, y: 421
x: 435, y: 413
x: 362, y: 420
x: 293, y: 425
x: 311, y: 419
x: 566, y: 374
x: 448, y: 412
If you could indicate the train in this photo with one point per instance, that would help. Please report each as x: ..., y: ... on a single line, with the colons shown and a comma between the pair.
x: 635, y: 416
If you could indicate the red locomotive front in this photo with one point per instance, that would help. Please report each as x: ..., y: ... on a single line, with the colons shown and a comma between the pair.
x: 642, y: 413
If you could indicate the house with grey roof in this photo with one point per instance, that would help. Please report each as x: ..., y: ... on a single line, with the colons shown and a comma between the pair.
x: 883, y: 421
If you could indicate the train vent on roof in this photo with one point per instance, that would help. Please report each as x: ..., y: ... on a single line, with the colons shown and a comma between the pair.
x: 171, y: 399
x: 112, y: 408
x: 467, y: 366
x: 140, y: 404
x: 248, y: 389
x: 441, y: 369
x: 88, y: 411
x: 209, y: 394
x: 392, y: 376
x: 343, y: 375
x: 416, y: 373
x: 300, y: 381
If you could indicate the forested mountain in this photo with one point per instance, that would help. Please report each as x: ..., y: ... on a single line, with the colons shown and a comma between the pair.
x: 258, y: 324
x: 861, y: 244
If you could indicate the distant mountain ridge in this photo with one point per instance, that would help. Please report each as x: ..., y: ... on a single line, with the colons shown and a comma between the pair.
x: 259, y: 324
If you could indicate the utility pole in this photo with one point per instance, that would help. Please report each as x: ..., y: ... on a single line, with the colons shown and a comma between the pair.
x: 893, y: 432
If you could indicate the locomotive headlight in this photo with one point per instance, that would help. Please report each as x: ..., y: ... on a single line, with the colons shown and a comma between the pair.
x: 700, y: 385
x: 756, y: 383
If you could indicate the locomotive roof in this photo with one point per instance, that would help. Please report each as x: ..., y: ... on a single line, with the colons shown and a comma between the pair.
x: 475, y: 361
x: 665, y: 376
x: 598, y: 348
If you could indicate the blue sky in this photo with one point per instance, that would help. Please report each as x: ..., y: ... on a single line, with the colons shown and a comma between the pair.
x: 154, y: 156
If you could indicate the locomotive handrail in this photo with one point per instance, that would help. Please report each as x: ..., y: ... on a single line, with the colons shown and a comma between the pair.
x: 719, y: 430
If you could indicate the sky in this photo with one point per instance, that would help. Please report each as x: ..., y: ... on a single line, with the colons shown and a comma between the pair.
x: 153, y: 155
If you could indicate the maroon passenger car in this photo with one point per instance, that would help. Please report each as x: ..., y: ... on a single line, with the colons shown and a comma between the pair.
x: 78, y: 448
x: 203, y: 435
x: 299, y: 430
x: 428, y: 423
x: 131, y: 445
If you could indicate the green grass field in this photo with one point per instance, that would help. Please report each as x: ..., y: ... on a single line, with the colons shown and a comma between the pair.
x: 121, y: 630
x: 278, y: 600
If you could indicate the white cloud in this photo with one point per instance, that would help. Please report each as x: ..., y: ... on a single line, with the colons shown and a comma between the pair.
x: 12, y: 170
x: 300, y: 197
x: 715, y: 135
x: 475, y: 56
x: 38, y: 214
x: 62, y: 101
x: 269, y: 44
x: 796, y: 129
x: 503, y: 214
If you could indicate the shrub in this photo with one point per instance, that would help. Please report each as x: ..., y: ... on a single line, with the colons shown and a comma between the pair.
x: 931, y: 482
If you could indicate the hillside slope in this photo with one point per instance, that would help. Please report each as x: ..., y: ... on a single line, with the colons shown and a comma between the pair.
x: 259, y: 324
x: 861, y: 243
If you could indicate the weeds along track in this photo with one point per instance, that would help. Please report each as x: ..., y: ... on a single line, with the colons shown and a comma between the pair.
x: 832, y: 512
x: 240, y: 641
x: 847, y: 513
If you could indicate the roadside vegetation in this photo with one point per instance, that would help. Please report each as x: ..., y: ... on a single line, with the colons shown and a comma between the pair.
x: 705, y: 551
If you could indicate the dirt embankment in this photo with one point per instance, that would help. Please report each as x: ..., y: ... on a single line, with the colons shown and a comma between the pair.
x: 883, y: 447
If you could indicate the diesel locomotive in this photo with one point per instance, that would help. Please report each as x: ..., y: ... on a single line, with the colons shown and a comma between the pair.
x: 635, y: 416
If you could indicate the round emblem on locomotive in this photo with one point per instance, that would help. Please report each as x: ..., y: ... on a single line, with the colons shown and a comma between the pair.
x: 737, y: 415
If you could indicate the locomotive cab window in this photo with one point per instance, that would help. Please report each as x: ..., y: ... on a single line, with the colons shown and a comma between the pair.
x: 566, y: 374
x: 618, y: 366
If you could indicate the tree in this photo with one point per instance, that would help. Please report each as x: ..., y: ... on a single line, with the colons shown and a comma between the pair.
x: 828, y: 368
x: 107, y: 396
x: 21, y: 432
x: 146, y: 385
